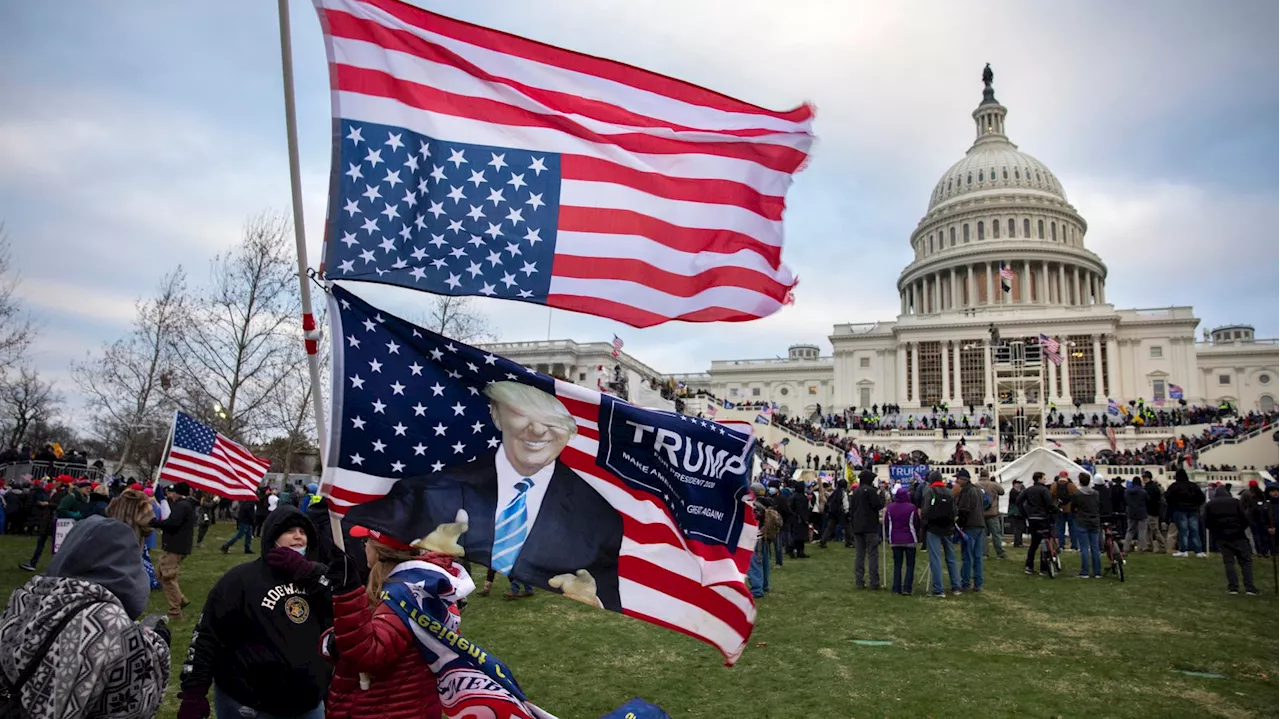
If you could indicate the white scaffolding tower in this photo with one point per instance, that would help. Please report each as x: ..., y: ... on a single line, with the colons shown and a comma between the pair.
x: 1019, y: 388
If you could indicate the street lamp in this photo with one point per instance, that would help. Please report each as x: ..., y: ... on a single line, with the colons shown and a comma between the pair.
x: 218, y: 410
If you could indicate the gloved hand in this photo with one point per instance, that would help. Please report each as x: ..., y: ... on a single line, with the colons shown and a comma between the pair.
x: 157, y: 624
x: 195, y: 704
x: 295, y: 566
x: 343, y: 574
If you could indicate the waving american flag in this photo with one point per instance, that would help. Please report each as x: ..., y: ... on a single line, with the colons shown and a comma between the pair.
x: 408, y: 403
x: 205, y: 459
x: 469, y: 161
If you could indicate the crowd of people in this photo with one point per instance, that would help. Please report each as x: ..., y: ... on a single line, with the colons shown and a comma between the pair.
x: 961, y: 515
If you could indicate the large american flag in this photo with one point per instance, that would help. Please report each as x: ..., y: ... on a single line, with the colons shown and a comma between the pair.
x: 408, y: 402
x: 1051, y: 348
x: 469, y: 161
x: 205, y: 459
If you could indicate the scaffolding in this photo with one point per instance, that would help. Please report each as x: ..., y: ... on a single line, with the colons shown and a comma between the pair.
x: 1019, y: 389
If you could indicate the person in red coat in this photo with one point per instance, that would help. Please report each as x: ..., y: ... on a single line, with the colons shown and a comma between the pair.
x: 369, y: 643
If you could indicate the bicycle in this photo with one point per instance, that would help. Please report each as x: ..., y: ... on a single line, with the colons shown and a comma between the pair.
x: 1111, y: 547
x: 1050, y: 556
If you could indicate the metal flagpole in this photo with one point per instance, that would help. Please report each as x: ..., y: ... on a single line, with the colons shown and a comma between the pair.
x: 311, y: 335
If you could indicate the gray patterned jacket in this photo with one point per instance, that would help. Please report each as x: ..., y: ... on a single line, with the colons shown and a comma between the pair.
x: 102, y: 664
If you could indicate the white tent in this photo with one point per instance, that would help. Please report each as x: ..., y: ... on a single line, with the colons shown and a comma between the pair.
x: 1040, y: 459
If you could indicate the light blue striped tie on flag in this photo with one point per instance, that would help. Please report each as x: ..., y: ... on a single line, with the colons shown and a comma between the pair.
x: 511, y: 530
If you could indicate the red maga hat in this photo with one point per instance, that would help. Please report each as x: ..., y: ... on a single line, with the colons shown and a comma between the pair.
x: 384, y: 539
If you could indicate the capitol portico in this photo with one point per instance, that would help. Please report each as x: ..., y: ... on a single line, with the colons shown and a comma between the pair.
x: 998, y: 207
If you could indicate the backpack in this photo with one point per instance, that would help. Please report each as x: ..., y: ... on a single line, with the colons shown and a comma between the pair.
x: 986, y: 500
x: 941, y: 510
x: 772, y: 524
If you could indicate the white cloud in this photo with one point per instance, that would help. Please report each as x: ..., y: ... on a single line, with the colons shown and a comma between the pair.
x: 77, y: 299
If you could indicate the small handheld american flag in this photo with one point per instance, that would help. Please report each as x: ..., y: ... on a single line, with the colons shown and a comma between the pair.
x: 209, y: 461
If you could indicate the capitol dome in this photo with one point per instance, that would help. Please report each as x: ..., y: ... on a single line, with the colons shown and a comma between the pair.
x: 999, y: 232
x: 995, y: 166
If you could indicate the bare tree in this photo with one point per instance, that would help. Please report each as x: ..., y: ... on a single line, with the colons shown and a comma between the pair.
x: 292, y: 416
x: 124, y: 385
x: 25, y: 401
x: 238, y: 344
x: 16, y: 328
x: 456, y: 318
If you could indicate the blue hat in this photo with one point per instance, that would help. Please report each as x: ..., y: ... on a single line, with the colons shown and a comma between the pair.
x: 313, y: 488
x: 962, y: 472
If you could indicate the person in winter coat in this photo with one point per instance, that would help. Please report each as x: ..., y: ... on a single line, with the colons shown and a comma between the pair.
x: 782, y: 505
x: 1038, y: 507
x: 1255, y: 505
x: 98, y: 663
x: 1063, y: 491
x: 206, y: 514
x: 902, y: 528
x: 1017, y: 521
x: 864, y: 523
x: 1184, y: 499
x: 41, y: 512
x: 1156, y: 514
x: 75, y: 504
x: 1226, y: 519
x: 1135, y: 512
x: 99, y: 499
x: 937, y: 513
x: 244, y: 527
x: 969, y: 516
x: 799, y: 520
x: 177, y: 535
x: 837, y: 507
x: 370, y: 639
x: 257, y: 642
x: 991, y: 515
x: 133, y: 508
x: 1089, y: 527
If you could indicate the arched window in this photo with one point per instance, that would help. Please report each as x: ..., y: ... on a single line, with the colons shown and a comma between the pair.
x: 1040, y: 229
x: 995, y: 229
x: 1004, y: 173
x: 1026, y: 228
x: 966, y: 232
x: 979, y: 175
x: 1038, y: 176
x: 930, y: 244
x: 1053, y: 230
x: 1012, y: 225
x: 969, y: 179
x: 953, y: 237
x: 982, y: 230
x: 948, y: 185
x: 1016, y: 175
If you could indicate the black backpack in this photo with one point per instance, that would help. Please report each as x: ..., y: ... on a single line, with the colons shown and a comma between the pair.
x: 941, y: 509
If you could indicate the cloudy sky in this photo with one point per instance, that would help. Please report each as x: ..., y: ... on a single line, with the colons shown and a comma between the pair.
x: 138, y: 135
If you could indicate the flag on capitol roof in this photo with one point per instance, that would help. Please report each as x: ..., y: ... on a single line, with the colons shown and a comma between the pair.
x: 639, y: 511
x: 469, y: 161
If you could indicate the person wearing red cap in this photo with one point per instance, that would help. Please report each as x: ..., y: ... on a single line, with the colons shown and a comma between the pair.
x: 370, y: 639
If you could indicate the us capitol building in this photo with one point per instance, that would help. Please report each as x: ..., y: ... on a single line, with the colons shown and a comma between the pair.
x: 996, y: 204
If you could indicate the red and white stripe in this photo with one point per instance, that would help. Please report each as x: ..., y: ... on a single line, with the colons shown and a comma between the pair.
x: 231, y: 471
x: 672, y: 195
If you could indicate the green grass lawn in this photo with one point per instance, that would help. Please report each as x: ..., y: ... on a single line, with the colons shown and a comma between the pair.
x: 1025, y: 647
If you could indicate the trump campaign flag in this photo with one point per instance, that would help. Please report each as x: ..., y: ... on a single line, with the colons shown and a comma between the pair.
x: 469, y: 161
x: 205, y: 459
x: 639, y: 511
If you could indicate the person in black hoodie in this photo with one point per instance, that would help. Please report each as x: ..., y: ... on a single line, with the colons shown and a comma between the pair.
x: 177, y: 536
x: 1184, y: 499
x: 257, y: 642
x: 1226, y: 519
x: 864, y: 523
x: 800, y: 519
x: 1038, y: 507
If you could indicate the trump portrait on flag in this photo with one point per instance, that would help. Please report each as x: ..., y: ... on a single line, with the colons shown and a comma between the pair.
x: 519, y: 511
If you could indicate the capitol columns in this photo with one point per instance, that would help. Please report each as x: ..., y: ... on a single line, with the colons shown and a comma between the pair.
x: 901, y: 375
x: 1097, y: 370
x: 915, y: 373
x: 1025, y: 280
x: 957, y: 395
x: 988, y: 395
x: 1113, y: 367
x: 991, y: 292
x: 946, y: 371
x: 1062, y: 285
x: 1065, y: 368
